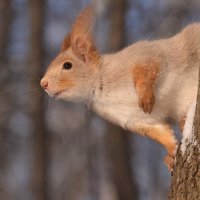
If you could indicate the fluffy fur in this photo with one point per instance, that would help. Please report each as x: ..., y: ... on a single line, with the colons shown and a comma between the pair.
x: 161, y: 77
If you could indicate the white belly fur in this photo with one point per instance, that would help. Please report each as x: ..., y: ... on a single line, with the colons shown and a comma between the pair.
x: 174, y: 95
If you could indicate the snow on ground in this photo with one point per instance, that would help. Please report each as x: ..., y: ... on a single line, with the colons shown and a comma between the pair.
x: 188, y: 128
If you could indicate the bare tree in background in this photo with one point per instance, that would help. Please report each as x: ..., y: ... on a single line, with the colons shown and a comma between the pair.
x: 6, y: 18
x: 5, y: 104
x: 117, y: 138
x: 39, y: 139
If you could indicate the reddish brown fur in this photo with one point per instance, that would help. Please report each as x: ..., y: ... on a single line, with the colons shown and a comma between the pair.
x: 80, y: 41
x: 81, y: 38
x: 66, y: 43
x: 144, y: 77
x: 164, y: 135
x: 65, y: 83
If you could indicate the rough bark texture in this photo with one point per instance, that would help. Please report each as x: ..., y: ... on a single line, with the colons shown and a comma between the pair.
x: 197, y: 115
x: 186, y: 180
x: 37, y: 111
x: 118, y: 139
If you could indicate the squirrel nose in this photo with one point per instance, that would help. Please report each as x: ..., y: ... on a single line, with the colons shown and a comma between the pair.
x: 44, y: 83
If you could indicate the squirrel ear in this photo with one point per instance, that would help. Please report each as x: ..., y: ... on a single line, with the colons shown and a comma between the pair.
x: 81, y: 37
x: 85, y: 49
x: 66, y: 43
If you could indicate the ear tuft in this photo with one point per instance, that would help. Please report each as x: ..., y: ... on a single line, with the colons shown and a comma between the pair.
x: 81, y: 38
x: 84, y: 22
x: 66, y: 43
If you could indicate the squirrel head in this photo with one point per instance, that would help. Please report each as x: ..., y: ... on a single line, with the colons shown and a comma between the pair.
x: 71, y: 73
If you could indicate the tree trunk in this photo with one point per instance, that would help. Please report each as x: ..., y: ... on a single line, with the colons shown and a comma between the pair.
x: 120, y: 162
x: 117, y: 139
x: 6, y: 18
x: 186, y: 180
x: 39, y: 141
x: 5, y: 79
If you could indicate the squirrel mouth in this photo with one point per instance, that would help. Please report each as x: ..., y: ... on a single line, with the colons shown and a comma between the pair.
x: 55, y: 94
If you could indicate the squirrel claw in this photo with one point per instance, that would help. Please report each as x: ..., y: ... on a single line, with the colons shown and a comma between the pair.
x: 146, y: 103
x: 169, y: 161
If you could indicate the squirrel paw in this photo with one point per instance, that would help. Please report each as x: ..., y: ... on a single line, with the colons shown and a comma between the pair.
x: 169, y: 161
x: 146, y: 101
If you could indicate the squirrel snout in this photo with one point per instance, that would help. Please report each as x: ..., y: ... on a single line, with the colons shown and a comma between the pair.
x: 44, y: 83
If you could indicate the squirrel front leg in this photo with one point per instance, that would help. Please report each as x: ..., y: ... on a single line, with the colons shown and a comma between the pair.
x: 163, y: 134
x: 144, y: 78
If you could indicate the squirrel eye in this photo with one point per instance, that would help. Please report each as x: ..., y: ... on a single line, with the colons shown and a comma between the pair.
x: 67, y: 65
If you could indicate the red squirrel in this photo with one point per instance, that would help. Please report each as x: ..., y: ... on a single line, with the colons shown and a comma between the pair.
x: 140, y: 88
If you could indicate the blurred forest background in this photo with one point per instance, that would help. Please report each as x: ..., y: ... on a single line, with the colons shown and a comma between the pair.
x: 54, y: 150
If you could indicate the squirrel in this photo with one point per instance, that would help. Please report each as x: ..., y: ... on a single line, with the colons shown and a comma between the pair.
x: 142, y: 88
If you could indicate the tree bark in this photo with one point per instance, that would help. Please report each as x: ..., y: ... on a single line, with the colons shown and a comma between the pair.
x: 118, y: 139
x: 39, y: 140
x: 186, y: 180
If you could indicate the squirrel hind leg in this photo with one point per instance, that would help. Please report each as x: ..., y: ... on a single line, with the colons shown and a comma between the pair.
x: 165, y: 136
